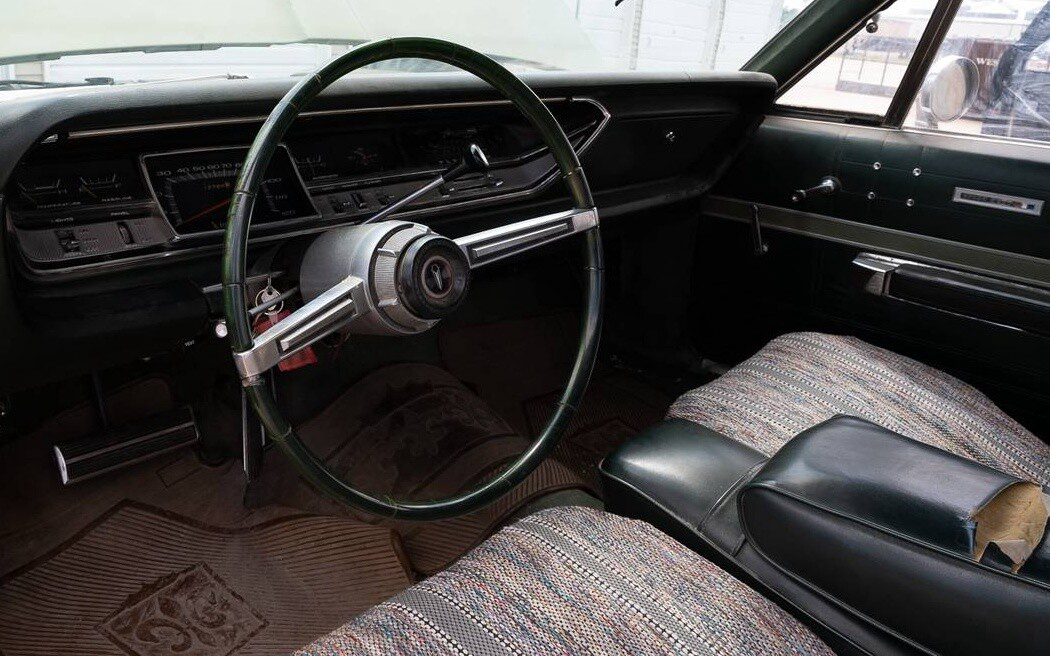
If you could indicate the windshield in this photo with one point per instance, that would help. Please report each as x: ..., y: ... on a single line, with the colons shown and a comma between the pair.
x: 61, y: 42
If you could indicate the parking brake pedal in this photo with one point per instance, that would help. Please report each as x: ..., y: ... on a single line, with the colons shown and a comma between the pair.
x: 119, y: 447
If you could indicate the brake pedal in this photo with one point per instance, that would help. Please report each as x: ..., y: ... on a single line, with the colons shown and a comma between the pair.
x: 116, y: 448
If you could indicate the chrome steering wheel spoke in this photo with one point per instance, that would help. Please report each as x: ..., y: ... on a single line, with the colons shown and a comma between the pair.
x: 493, y: 245
x: 331, y: 311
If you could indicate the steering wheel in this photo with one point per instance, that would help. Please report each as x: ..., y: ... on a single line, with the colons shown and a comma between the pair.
x: 400, y: 278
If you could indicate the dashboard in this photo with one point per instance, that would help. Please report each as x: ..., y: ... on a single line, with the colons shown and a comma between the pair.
x: 70, y: 212
x: 114, y: 198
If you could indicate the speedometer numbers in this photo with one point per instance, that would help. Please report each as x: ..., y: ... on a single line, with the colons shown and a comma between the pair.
x: 194, y: 188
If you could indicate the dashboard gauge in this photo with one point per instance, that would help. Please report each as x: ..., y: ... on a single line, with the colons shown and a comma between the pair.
x: 440, y: 147
x: 194, y: 188
x: 346, y: 156
x: 364, y: 158
x: 71, y: 185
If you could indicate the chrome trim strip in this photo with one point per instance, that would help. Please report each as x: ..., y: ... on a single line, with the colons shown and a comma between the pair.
x: 988, y: 138
x: 959, y: 255
x: 510, y: 243
x: 497, y: 243
x: 240, y: 120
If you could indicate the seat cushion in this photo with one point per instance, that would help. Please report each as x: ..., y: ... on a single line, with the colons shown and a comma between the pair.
x: 799, y: 380
x: 575, y: 581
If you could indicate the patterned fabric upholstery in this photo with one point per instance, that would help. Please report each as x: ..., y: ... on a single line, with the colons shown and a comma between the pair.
x: 575, y: 581
x: 801, y: 379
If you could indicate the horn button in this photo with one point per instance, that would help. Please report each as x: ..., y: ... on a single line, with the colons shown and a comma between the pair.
x: 433, y: 277
x: 414, y: 277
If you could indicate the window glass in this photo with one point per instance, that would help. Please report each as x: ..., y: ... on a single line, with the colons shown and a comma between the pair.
x: 864, y: 73
x: 993, y: 69
x: 120, y: 42
x: 693, y: 35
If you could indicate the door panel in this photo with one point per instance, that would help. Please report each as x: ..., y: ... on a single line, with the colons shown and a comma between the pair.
x: 980, y: 311
x: 881, y: 169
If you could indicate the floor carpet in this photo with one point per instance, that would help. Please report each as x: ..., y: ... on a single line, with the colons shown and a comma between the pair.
x: 519, y: 368
x: 412, y: 431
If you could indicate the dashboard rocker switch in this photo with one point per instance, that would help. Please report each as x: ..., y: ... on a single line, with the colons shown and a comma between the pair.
x: 125, y: 233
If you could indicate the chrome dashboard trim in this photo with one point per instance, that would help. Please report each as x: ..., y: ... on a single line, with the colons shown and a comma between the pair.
x: 116, y: 264
x: 240, y: 120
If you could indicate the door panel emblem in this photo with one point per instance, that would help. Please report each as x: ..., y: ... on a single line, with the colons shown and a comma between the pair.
x: 996, y: 201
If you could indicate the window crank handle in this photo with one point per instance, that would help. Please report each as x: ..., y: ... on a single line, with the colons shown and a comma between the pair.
x: 828, y: 186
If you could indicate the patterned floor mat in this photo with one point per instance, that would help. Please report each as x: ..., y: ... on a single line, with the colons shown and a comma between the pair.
x: 164, y: 558
x: 146, y: 582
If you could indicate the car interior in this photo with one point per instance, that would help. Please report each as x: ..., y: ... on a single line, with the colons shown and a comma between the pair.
x: 497, y: 329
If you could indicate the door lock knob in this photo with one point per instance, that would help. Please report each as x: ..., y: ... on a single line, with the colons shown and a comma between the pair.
x: 828, y: 186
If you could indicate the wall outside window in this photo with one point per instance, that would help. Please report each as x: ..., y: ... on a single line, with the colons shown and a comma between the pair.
x: 1007, y: 41
x: 695, y: 35
x: 1009, y: 44
x: 643, y: 35
x: 864, y: 73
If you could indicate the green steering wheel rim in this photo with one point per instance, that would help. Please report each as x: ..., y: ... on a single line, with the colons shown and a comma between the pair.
x: 235, y: 295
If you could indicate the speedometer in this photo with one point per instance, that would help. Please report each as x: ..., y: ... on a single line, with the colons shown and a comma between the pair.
x: 194, y: 188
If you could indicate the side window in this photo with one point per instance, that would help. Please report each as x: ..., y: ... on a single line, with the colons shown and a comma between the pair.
x: 991, y: 74
x: 864, y: 73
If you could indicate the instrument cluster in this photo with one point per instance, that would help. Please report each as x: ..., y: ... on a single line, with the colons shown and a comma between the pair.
x: 194, y: 188
x: 76, y: 204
